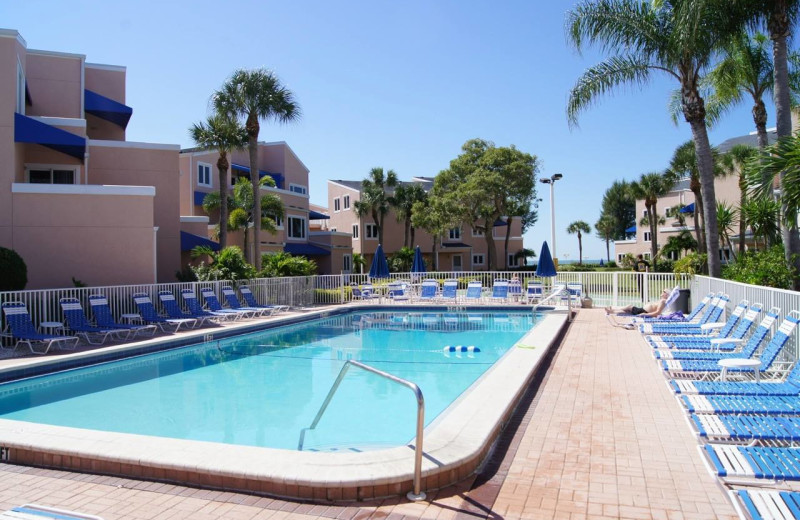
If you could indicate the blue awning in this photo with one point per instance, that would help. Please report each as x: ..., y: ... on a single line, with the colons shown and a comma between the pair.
x: 106, y: 108
x: 29, y: 130
x: 305, y: 250
x: 316, y: 215
x: 455, y: 244
x: 500, y: 222
x: 277, y: 177
x: 688, y: 209
x: 199, y: 196
x: 631, y: 229
x: 190, y: 241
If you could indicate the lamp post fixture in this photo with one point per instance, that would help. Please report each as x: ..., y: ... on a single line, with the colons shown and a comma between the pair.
x: 552, y: 182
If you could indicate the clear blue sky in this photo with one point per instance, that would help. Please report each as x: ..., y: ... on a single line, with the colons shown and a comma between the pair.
x: 400, y: 85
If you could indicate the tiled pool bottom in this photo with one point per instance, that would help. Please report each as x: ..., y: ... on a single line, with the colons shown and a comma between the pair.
x: 454, y: 446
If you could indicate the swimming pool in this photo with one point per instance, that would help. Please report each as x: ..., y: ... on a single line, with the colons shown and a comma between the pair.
x: 261, y: 389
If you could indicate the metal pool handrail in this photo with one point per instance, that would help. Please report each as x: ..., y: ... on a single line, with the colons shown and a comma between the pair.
x: 417, y: 494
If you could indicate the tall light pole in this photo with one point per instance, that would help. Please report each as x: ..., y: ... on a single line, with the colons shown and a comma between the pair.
x: 552, y: 182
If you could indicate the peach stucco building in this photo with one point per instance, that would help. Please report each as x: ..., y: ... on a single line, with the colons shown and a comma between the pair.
x: 76, y: 199
x: 462, y: 248
x: 302, y: 230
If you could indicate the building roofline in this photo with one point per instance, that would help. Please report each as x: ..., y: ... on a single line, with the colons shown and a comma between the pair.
x: 343, y: 185
x: 13, y: 33
x: 57, y: 54
x: 106, y: 66
x: 284, y: 143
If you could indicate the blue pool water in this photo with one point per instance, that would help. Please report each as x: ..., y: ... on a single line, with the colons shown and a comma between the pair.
x: 261, y: 389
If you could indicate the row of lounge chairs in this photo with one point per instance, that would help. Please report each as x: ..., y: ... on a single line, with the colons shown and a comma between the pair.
x: 429, y: 291
x: 749, y: 428
x: 20, y: 327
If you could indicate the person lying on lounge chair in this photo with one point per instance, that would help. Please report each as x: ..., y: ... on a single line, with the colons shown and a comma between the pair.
x: 649, y: 310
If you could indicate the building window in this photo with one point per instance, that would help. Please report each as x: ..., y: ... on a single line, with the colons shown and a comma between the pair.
x: 370, y: 231
x: 278, y: 221
x: 347, y: 263
x: 512, y: 261
x: 337, y: 204
x: 204, y: 175
x: 346, y: 199
x: 620, y: 257
x: 646, y: 256
x: 297, y: 227
x: 673, y: 255
x: 668, y: 212
x: 355, y: 231
x: 644, y: 212
x: 647, y: 236
x: 478, y: 259
x: 297, y: 188
x: 477, y: 233
x: 54, y: 175
x: 455, y: 233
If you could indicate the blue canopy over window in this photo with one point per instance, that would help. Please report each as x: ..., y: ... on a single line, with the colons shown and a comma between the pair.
x: 199, y: 196
x: 454, y: 244
x: 29, y: 130
x: 190, y: 241
x: 316, y: 215
x: 631, y: 229
x: 688, y: 209
x: 106, y: 108
x: 305, y: 250
x: 277, y: 177
x: 500, y: 222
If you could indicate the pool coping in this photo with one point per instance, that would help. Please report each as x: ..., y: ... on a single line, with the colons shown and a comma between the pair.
x: 454, y: 445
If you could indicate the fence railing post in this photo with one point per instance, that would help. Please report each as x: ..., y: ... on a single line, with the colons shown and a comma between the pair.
x: 615, y: 289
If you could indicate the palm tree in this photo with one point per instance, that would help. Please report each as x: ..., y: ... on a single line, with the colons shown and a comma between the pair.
x: 579, y: 227
x: 728, y: 217
x: 678, y: 38
x: 762, y: 215
x: 359, y: 262
x: 735, y: 162
x: 225, y: 135
x: 254, y: 95
x: 241, y: 208
x: 403, y: 200
x: 374, y: 200
x: 605, y: 228
x: 650, y: 187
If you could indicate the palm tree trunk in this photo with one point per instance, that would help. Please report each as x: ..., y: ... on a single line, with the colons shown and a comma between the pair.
x: 222, y: 168
x: 760, y: 119
x: 508, y: 237
x: 779, y: 27
x: 491, y: 252
x: 706, y: 167
x: 608, y: 250
x: 435, y: 253
x: 653, y: 220
x: 246, y: 241
x: 742, y: 219
x: 580, y: 249
x: 253, y: 129
x: 413, y: 233
x: 406, y: 232
x: 700, y: 235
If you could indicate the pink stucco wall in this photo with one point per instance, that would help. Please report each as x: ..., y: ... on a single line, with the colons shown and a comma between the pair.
x: 108, y: 82
x: 55, y: 85
x: 98, y: 239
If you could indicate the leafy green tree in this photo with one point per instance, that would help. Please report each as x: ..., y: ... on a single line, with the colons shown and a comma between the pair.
x: 374, y: 200
x: 678, y: 38
x: 650, y: 187
x: 435, y: 215
x: 735, y: 162
x: 762, y: 215
x: 619, y: 205
x: 240, y: 206
x: 579, y: 227
x: 403, y: 200
x: 728, y: 220
x: 226, y: 264
x: 484, y: 183
x: 284, y: 264
x: 223, y: 134
x: 523, y: 254
x: 679, y: 244
x: 767, y: 268
x: 605, y: 227
x: 359, y: 262
x: 402, y: 260
x: 255, y: 95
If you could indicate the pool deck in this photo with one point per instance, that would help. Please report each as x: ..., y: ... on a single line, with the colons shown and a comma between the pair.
x: 602, y: 438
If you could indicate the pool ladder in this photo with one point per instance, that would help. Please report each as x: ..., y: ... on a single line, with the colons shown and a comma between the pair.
x: 417, y: 494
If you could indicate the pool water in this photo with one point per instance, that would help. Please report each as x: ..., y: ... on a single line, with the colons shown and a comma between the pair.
x: 262, y: 389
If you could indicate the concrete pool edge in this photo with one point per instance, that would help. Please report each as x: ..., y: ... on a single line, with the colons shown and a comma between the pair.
x: 454, y: 446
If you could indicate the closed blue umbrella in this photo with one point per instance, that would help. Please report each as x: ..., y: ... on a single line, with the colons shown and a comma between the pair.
x: 546, y: 267
x: 419, y: 264
x: 379, y: 268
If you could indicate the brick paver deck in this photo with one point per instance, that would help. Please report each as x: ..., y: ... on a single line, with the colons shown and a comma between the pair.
x: 604, y: 438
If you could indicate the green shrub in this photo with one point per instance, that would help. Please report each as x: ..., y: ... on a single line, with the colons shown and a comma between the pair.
x: 768, y: 268
x: 13, y: 271
x: 665, y: 266
x: 284, y: 264
x: 693, y: 263
x: 332, y: 295
x: 228, y: 264
x: 186, y: 274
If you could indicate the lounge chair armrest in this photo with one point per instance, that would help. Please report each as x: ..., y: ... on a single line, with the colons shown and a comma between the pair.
x: 712, y: 326
x: 726, y: 341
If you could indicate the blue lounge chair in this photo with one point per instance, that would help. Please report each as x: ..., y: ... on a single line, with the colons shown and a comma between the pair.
x: 251, y: 301
x: 712, y: 315
x: 767, y: 504
x: 174, y: 310
x: 692, y: 317
x: 742, y: 404
x: 196, y: 310
x: 474, y: 292
x: 709, y: 350
x: 368, y: 292
x: 745, y: 428
x: 499, y: 290
x: 768, y: 355
x: 235, y: 304
x: 574, y: 292
x: 149, y: 314
x: 515, y: 289
x: 214, y: 305
x: 534, y: 292
x: 397, y: 293
x: 674, y: 341
x: 105, y: 319
x: 790, y: 386
x: 753, y: 462
x: 450, y: 291
x: 428, y: 291
x: 21, y: 328
x: 79, y: 325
